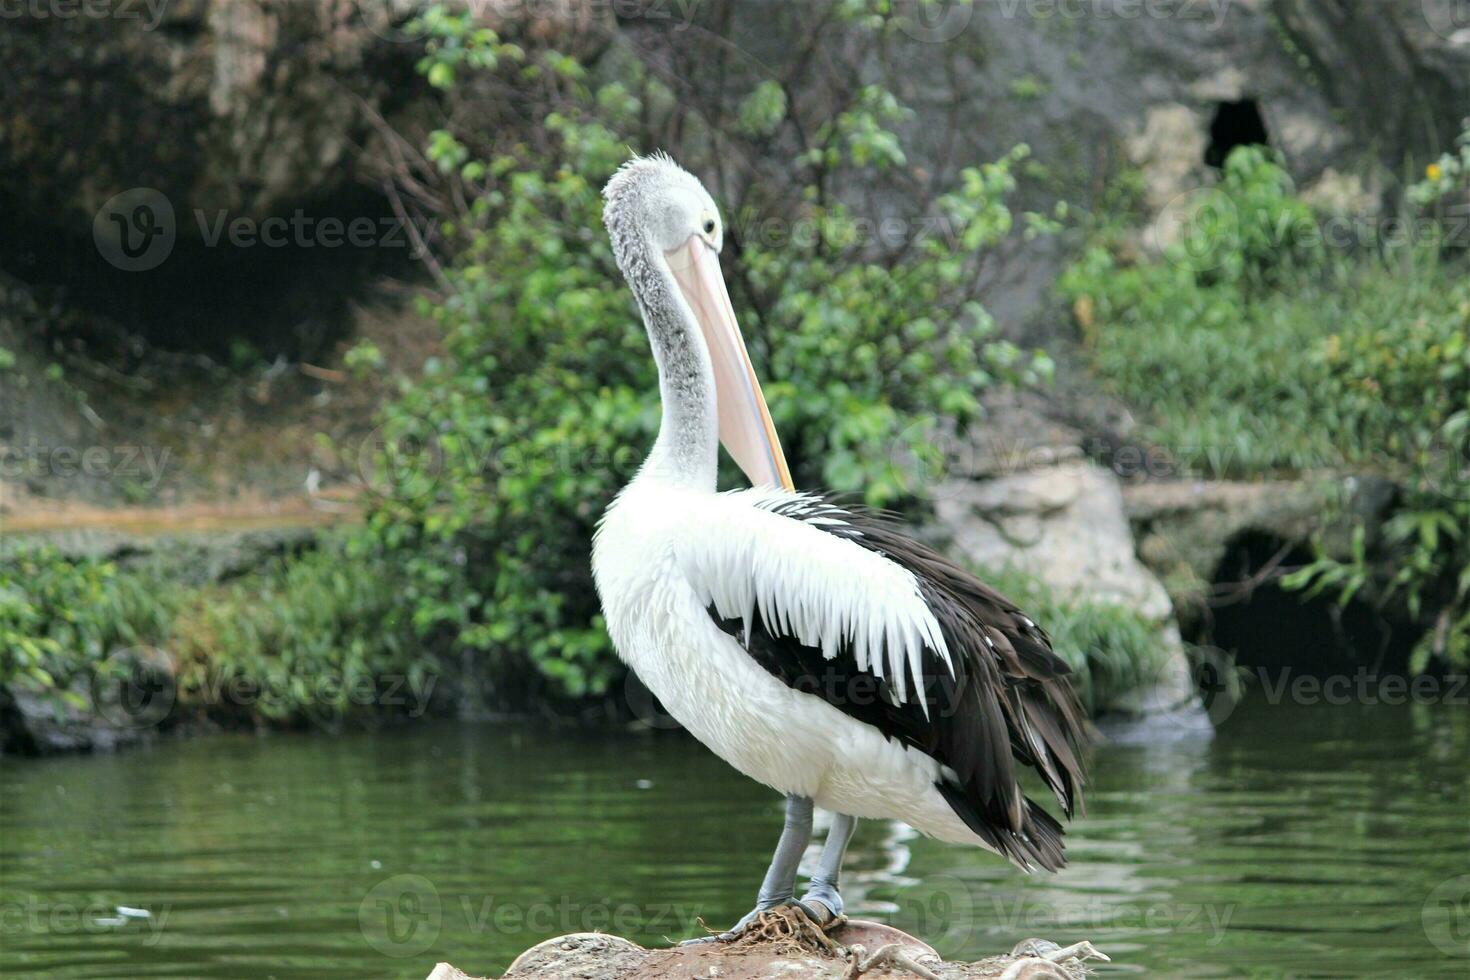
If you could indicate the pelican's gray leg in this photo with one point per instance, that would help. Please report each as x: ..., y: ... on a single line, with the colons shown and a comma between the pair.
x: 824, y: 886
x: 779, y: 886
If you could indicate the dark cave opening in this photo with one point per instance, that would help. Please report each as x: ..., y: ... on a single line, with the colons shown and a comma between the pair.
x: 225, y: 286
x: 1267, y: 628
x: 1235, y: 124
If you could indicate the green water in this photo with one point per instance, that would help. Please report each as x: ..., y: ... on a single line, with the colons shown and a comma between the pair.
x: 1324, y: 841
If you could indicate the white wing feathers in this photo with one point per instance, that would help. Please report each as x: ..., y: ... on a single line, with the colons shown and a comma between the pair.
x: 818, y: 588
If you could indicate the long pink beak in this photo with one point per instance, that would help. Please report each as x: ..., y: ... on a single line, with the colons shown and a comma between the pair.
x: 746, y: 430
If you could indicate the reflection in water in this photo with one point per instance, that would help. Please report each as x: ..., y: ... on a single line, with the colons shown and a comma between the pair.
x: 1304, y: 842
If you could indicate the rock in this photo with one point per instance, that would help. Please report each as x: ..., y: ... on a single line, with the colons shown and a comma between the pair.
x: 1185, y: 528
x: 596, y: 956
x: 1100, y: 91
x: 122, y: 703
x: 1063, y: 523
x: 446, y: 972
x: 243, y: 105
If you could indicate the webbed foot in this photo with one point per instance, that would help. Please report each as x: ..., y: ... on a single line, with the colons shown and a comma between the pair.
x: 752, y: 917
x: 822, y: 896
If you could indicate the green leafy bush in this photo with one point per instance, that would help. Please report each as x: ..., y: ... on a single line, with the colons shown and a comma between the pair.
x: 60, y: 619
x: 317, y: 636
x: 311, y: 637
x: 1252, y: 348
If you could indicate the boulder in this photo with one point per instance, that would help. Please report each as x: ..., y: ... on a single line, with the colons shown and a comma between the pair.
x: 855, y: 948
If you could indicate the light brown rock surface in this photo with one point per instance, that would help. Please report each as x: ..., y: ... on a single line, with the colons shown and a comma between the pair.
x: 596, y: 956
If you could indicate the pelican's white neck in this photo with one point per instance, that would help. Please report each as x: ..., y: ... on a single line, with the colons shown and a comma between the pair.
x: 686, y: 452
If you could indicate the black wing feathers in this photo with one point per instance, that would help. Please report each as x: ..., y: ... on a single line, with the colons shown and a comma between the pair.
x: 1008, y: 701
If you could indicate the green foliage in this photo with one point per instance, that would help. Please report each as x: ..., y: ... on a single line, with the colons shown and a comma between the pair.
x: 1446, y: 179
x: 763, y: 109
x: 1252, y: 348
x: 1028, y: 87
x: 454, y: 43
x: 502, y: 457
x: 1249, y: 231
x: 60, y: 619
x: 363, y: 359
x: 313, y: 636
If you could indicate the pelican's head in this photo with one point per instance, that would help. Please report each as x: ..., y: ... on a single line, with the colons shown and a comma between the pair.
x: 653, y: 201
x: 666, y: 230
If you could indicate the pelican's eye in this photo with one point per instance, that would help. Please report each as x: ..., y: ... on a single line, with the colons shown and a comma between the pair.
x: 709, y: 226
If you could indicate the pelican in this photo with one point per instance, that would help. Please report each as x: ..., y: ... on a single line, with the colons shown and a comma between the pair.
x: 811, y: 645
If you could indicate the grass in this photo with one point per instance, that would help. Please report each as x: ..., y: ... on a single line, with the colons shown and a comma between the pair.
x: 1245, y: 384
